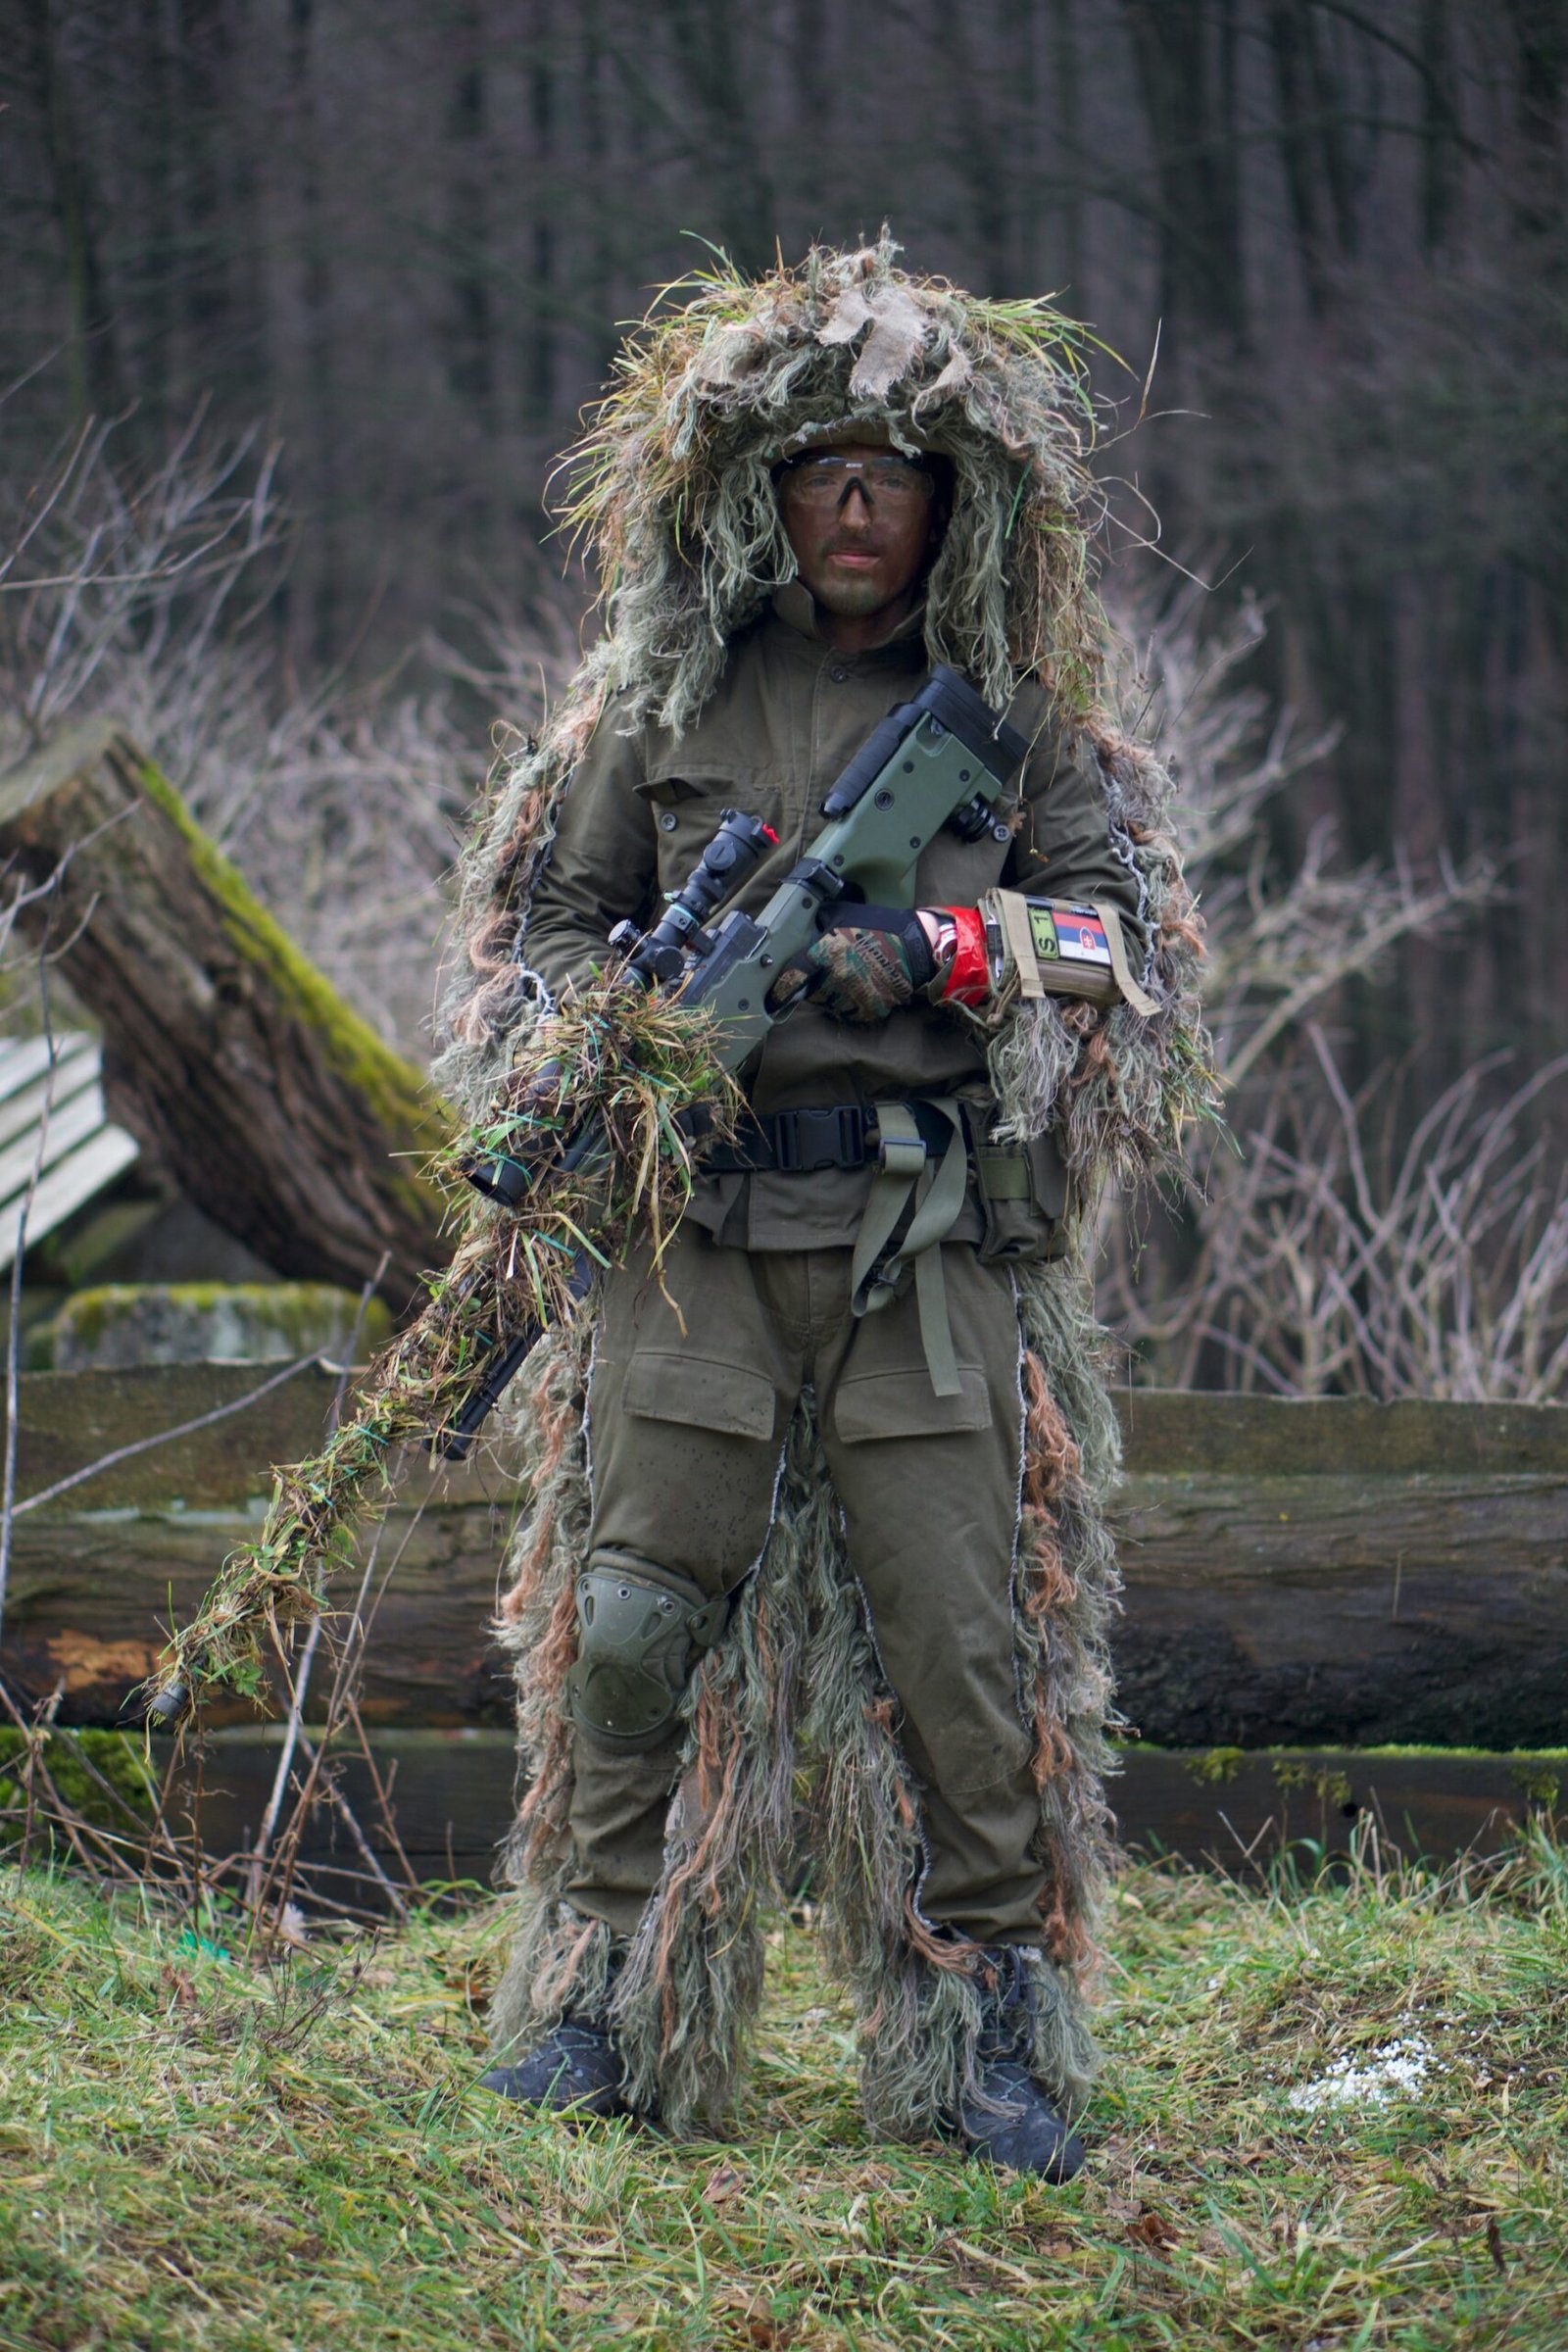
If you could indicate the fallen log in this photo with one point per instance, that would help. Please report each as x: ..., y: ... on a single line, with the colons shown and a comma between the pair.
x: 280, y: 1113
x: 1338, y: 1571
x: 1327, y: 1574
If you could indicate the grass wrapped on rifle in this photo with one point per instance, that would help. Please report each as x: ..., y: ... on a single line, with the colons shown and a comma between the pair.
x: 630, y: 1060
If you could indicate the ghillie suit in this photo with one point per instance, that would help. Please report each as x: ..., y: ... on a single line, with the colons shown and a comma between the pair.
x: 673, y: 488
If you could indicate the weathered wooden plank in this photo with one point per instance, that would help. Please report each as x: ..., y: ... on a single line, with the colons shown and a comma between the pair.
x: 1175, y: 1432
x: 99, y: 1577
x: 452, y: 1794
x: 1184, y: 1440
x: 91, y: 1600
x: 1314, y: 1597
x: 1339, y: 1570
x: 1224, y: 1805
x: 452, y: 1798
x: 70, y: 1419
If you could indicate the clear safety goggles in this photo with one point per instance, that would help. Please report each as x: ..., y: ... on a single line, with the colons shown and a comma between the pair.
x: 822, y: 482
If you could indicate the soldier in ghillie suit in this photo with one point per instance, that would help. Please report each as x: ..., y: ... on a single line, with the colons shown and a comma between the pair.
x: 791, y: 1532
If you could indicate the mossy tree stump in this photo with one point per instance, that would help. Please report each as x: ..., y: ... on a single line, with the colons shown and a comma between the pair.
x: 280, y: 1113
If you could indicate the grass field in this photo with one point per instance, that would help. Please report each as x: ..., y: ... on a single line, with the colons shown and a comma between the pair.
x: 200, y: 2150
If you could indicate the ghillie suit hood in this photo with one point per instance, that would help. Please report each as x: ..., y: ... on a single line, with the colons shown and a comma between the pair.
x: 670, y: 489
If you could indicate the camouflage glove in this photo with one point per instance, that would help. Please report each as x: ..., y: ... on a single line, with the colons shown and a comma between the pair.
x: 860, y: 971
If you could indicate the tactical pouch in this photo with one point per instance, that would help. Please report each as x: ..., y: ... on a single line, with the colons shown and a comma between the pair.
x: 1022, y: 1190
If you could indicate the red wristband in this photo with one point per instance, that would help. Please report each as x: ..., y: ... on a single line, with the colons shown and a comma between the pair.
x: 968, y: 974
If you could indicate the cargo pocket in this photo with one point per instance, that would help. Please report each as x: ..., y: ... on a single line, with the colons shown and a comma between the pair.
x: 696, y: 1393
x: 902, y: 1404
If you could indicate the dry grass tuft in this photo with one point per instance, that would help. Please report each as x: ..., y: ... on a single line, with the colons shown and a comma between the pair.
x: 1339, y: 1256
x: 1349, y: 1242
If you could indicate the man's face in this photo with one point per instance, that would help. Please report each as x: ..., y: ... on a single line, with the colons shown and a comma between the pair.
x: 862, y: 521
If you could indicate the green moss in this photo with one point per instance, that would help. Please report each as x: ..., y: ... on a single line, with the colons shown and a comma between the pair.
x: 1223, y: 1763
x: 88, y: 1313
x: 172, y: 1322
x: 1329, y: 1786
x: 1539, y: 1780
x: 396, y: 1091
x: 79, y: 1763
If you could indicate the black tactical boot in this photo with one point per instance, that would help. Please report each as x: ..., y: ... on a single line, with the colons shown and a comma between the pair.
x: 1008, y: 2118
x: 574, y: 2068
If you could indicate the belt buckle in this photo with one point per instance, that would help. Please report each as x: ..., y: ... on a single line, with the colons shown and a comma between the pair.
x: 832, y: 1135
x: 902, y: 1155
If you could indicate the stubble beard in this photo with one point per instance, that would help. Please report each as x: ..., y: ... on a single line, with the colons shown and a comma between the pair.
x: 851, y: 598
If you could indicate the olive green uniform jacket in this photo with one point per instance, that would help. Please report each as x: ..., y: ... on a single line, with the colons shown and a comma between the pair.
x: 788, y: 716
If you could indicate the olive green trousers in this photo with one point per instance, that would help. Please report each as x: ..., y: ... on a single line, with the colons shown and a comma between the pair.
x: 686, y: 1429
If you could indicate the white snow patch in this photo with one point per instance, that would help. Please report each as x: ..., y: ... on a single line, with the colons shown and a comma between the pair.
x: 1391, y: 2072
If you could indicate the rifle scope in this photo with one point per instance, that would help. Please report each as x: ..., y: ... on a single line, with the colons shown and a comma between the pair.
x: 657, y: 957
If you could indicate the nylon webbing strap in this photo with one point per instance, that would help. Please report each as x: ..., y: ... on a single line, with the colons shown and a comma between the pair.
x: 926, y: 1200
x: 1134, y: 995
x: 1012, y: 912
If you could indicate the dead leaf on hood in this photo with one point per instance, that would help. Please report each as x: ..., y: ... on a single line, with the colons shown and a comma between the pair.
x: 899, y: 328
x: 953, y: 377
x: 846, y: 318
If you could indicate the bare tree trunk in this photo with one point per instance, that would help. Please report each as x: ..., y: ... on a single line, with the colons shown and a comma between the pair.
x: 985, y: 166
x: 157, y: 353
x: 1320, y: 171
x: 1185, y: 59
x: 726, y: 130
x: 320, y: 374
x: 1541, y: 70
x: 95, y: 378
x: 205, y: 69
x: 471, y: 365
x: 600, y: 177
x: 1019, y: 162
x: 539, y: 373
x: 809, y: 60
x: 280, y: 1113
x: 1438, y: 114
x: 1068, y: 126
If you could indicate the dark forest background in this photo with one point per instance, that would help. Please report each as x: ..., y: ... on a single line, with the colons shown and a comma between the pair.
x: 401, y: 238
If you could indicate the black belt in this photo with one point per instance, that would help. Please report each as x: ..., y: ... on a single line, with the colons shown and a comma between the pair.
x: 795, y: 1142
x: 828, y: 1135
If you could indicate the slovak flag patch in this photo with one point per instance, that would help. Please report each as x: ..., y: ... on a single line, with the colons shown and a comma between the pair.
x: 1069, y: 934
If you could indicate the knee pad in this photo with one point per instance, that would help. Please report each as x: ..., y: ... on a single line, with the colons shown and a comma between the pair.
x: 640, y: 1632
